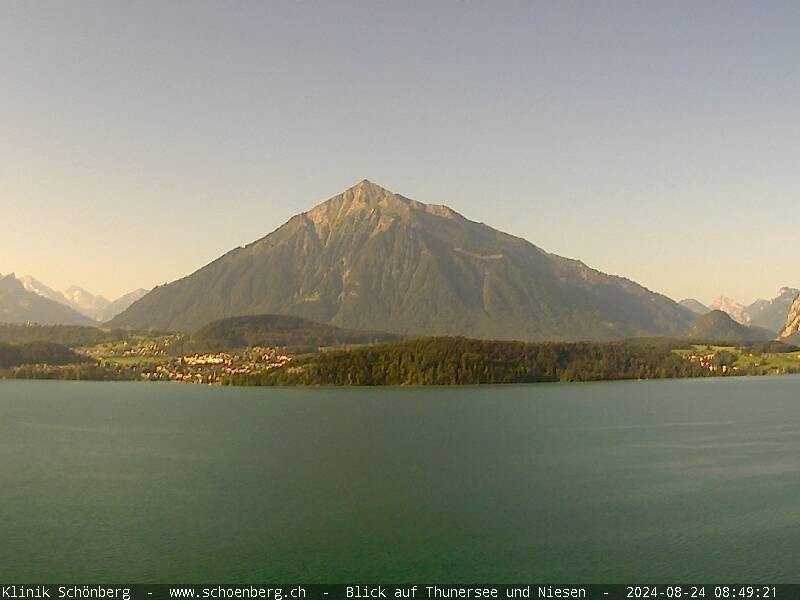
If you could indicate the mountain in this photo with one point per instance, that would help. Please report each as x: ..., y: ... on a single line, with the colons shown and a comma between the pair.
x: 274, y: 330
x: 718, y: 326
x: 120, y: 304
x: 97, y: 308
x: 18, y: 305
x: 86, y: 302
x: 791, y: 330
x: 737, y: 311
x: 772, y: 314
x: 371, y: 259
x: 695, y: 306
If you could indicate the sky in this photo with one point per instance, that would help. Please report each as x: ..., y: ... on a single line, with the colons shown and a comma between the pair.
x: 655, y: 140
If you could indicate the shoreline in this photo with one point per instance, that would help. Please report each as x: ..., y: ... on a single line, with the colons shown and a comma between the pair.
x: 734, y: 376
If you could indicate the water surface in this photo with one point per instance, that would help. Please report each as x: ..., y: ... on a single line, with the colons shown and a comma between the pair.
x: 693, y: 480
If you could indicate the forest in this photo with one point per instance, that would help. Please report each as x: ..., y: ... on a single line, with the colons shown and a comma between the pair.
x: 458, y: 361
x: 14, y: 355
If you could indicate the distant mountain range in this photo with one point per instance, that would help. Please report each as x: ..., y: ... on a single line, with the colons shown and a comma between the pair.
x: 18, y: 305
x: 370, y: 259
x: 95, y: 307
x: 767, y: 314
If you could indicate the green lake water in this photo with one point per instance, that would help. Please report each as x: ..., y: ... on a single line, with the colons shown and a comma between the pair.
x: 666, y: 481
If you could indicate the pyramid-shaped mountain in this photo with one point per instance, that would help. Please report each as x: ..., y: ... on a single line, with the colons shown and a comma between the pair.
x: 374, y: 260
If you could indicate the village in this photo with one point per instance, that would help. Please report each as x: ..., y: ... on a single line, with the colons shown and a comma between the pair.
x: 160, y: 359
x: 716, y: 362
x: 212, y: 368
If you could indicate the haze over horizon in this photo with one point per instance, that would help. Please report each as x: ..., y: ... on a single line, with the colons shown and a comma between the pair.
x: 653, y: 141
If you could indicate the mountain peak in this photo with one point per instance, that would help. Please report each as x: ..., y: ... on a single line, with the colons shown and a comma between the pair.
x: 369, y: 195
x: 367, y: 184
x: 369, y: 201
x: 366, y: 190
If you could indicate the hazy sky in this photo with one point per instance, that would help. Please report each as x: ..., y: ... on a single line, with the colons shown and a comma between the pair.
x: 655, y: 140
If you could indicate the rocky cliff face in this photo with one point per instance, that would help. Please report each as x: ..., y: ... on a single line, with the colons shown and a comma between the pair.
x: 736, y: 311
x: 371, y: 259
x: 792, y: 327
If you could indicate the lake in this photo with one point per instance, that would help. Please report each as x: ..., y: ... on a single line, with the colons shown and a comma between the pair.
x: 663, y: 481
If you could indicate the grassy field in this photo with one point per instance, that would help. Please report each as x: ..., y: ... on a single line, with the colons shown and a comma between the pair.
x: 747, y: 362
x: 133, y: 361
x: 769, y: 363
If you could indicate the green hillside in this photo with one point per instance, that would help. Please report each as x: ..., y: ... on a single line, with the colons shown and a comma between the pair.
x: 285, y: 331
x: 67, y: 335
x: 13, y: 355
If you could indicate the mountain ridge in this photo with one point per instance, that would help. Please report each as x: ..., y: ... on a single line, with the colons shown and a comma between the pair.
x: 767, y: 314
x: 96, y: 307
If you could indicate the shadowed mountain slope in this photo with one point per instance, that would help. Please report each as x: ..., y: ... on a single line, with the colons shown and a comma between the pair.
x: 370, y: 259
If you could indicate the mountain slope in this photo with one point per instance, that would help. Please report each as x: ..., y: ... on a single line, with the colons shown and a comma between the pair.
x: 373, y: 260
x: 718, y: 326
x: 18, y: 305
x: 695, y: 306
